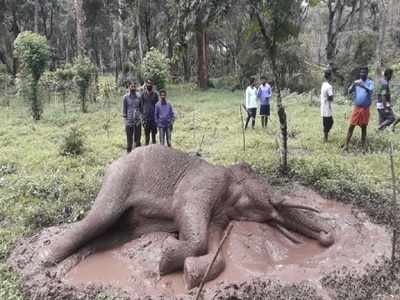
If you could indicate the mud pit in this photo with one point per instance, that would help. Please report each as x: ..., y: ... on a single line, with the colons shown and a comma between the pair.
x: 253, y: 251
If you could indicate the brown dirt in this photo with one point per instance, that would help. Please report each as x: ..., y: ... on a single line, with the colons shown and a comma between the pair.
x: 257, y: 256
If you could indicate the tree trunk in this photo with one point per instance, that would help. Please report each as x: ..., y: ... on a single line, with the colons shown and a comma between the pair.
x: 36, y: 17
x: 114, y: 56
x: 202, y: 56
x: 331, y: 40
x: 186, y: 64
x: 281, y: 115
x: 121, y: 34
x: 101, y: 62
x: 361, y: 15
x: 139, y: 31
x: 79, y: 27
x: 183, y: 45
x: 147, y: 24
x: 381, y: 36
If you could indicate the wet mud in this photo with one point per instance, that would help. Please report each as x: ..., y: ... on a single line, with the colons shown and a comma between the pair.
x: 258, y: 258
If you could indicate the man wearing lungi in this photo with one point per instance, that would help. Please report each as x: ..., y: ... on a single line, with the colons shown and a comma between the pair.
x: 362, y: 90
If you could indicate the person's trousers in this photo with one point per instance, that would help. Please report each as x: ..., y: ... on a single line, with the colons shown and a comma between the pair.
x: 133, y: 135
x: 150, y: 129
x: 251, y: 114
x: 165, y: 134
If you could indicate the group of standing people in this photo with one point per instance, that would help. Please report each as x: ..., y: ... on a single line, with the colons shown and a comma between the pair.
x: 150, y: 110
x: 263, y: 93
x: 362, y: 91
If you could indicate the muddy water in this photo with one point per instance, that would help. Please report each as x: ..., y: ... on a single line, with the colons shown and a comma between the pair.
x: 252, y: 250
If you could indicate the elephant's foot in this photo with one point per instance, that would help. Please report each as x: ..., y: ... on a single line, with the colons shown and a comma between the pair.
x: 196, y: 267
x: 326, y: 239
x: 46, y: 257
x: 171, y: 256
x: 174, y: 252
x: 52, y: 254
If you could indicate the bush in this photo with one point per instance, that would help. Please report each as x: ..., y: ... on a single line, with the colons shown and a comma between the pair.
x: 32, y: 51
x: 84, y: 71
x: 5, y: 79
x: 156, y: 67
x: 73, y: 142
x: 64, y: 77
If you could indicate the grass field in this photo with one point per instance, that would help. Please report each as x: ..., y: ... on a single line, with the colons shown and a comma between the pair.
x: 40, y: 187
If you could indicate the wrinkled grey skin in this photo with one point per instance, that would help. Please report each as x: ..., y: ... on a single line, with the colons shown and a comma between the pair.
x: 174, y: 191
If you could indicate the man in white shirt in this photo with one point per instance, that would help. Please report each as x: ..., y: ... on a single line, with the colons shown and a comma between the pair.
x: 326, y: 104
x: 251, y: 103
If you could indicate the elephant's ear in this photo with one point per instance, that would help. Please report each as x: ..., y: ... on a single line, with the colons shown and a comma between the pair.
x: 242, y: 170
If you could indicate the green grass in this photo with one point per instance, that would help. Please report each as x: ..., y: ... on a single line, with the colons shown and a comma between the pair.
x: 41, y: 187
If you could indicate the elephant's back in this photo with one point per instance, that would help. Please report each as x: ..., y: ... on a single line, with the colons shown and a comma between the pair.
x: 158, y: 169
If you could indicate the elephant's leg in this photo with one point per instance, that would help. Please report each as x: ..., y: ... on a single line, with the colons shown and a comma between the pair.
x: 196, y: 267
x: 195, y: 198
x: 109, y: 205
x: 193, y: 235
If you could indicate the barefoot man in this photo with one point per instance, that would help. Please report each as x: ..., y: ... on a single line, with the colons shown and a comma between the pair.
x: 362, y: 90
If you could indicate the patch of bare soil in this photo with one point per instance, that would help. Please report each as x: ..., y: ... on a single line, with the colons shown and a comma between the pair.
x: 260, y: 262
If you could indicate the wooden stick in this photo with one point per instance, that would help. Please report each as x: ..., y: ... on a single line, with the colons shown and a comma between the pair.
x: 244, y: 135
x: 394, y: 205
x: 194, y: 126
x: 227, y: 232
x: 201, y: 144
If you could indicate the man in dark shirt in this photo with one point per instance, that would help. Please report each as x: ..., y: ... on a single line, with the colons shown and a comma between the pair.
x: 384, y: 103
x: 131, y: 112
x: 148, y: 101
x: 165, y: 117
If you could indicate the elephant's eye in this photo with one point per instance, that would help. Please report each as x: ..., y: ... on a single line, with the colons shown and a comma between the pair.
x: 244, y: 201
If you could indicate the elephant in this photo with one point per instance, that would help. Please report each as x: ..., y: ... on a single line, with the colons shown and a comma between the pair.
x: 185, y: 194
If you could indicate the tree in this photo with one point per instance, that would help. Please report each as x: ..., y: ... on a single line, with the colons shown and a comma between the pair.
x: 381, y: 35
x: 337, y: 21
x: 277, y: 21
x: 205, y: 11
x: 79, y: 19
x: 84, y: 71
x: 36, y: 17
x: 155, y: 67
x: 64, y: 76
x: 32, y: 51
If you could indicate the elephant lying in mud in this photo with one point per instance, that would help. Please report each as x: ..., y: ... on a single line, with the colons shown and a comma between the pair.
x: 179, y: 191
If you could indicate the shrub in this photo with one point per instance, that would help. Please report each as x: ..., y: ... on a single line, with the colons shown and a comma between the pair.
x: 156, y: 67
x: 5, y: 78
x: 64, y: 77
x: 32, y: 51
x: 73, y: 142
x: 84, y: 71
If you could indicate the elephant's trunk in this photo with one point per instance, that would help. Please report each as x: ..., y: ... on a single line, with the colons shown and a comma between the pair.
x: 303, y: 220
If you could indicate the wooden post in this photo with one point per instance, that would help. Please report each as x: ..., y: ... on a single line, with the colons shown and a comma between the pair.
x: 394, y: 205
x: 194, y: 126
x: 311, y: 97
x: 201, y: 144
x: 227, y: 232
x: 243, y: 131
